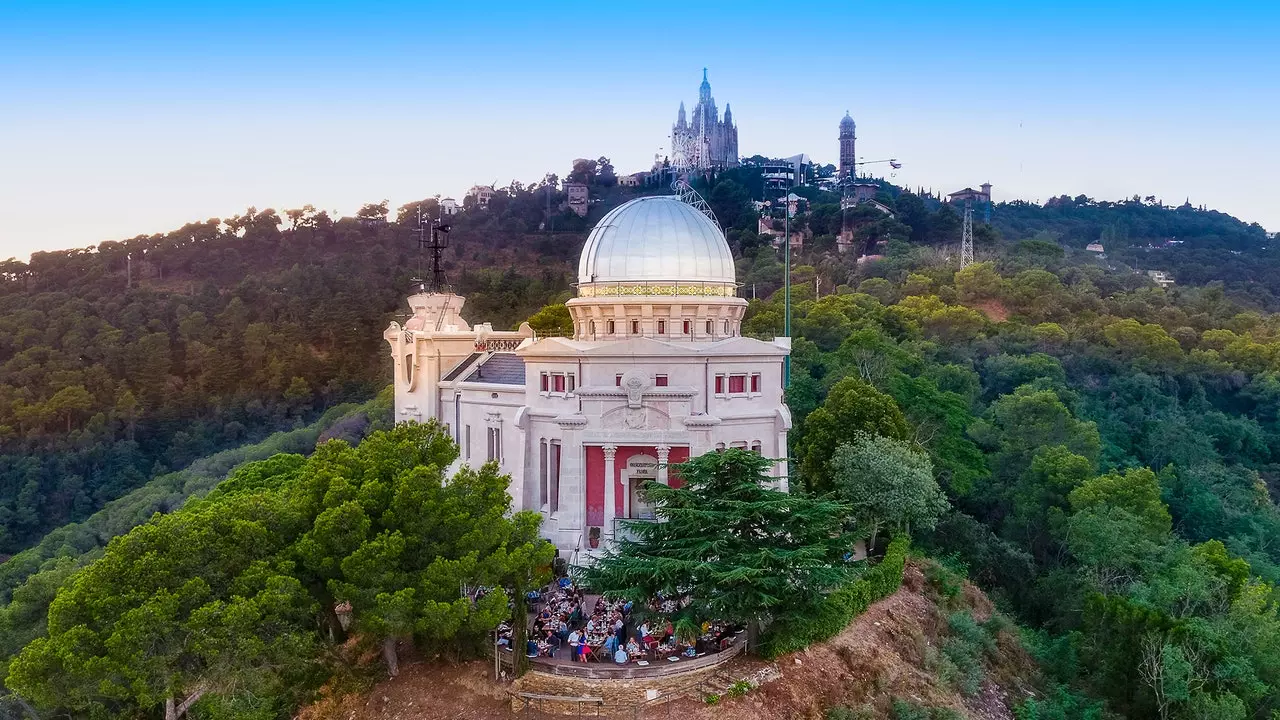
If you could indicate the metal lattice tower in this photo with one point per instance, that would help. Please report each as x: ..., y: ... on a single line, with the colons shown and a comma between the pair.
x: 966, y: 241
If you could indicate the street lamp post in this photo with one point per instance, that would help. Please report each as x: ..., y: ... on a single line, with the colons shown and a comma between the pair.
x: 786, y: 288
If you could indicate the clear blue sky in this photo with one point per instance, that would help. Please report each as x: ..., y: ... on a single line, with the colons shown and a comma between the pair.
x: 135, y: 117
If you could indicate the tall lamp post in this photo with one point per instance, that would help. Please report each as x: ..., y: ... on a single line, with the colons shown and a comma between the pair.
x: 786, y: 288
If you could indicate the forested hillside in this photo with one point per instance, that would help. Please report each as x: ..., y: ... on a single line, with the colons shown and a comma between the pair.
x: 131, y: 359
x: 1109, y: 447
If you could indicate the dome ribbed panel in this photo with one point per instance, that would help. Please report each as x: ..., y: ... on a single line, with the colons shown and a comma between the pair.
x: 656, y: 239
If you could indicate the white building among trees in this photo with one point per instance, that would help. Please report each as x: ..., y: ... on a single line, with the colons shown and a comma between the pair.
x: 656, y: 371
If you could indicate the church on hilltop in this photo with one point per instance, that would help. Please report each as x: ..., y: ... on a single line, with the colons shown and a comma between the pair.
x: 655, y: 372
x: 706, y: 142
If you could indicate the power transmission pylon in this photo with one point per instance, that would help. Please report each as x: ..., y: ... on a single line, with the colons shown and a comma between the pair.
x: 966, y: 241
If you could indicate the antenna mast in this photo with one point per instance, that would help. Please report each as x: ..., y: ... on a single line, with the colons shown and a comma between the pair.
x: 966, y: 240
x: 433, y: 236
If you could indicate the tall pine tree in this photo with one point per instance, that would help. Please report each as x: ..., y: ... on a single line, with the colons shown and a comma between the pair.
x: 738, y: 549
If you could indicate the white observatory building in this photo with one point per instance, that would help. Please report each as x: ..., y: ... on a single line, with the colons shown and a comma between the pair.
x: 656, y: 371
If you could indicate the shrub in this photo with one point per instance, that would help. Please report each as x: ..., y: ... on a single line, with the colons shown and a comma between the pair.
x: 738, y: 689
x: 790, y: 634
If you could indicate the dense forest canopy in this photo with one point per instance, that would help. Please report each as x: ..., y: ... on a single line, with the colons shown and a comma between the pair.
x: 1060, y: 399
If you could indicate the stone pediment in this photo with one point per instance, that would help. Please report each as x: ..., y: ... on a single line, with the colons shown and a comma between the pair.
x: 641, y: 418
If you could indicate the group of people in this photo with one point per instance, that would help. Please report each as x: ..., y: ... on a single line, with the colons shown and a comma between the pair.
x: 606, y: 631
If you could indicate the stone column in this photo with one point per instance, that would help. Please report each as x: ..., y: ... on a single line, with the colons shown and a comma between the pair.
x: 664, y: 452
x: 610, y: 501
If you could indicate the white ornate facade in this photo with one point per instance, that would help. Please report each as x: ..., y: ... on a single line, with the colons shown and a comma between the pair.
x: 655, y: 372
x: 706, y: 142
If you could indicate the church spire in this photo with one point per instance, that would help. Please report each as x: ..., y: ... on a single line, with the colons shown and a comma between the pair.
x: 680, y: 118
x: 728, y: 115
x: 704, y: 90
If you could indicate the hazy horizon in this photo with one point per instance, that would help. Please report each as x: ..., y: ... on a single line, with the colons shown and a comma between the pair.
x: 139, y: 118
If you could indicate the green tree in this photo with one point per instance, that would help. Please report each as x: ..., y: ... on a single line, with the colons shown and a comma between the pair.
x: 396, y: 540
x: 552, y: 321
x: 852, y: 406
x: 887, y: 484
x: 740, y: 550
x: 69, y: 402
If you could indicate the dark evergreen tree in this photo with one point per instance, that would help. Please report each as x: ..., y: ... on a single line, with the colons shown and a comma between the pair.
x: 737, y: 548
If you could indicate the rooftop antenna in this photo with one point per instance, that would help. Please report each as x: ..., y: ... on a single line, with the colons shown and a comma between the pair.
x: 433, y: 236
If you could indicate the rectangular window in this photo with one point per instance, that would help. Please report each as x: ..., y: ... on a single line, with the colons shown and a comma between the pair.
x: 542, y: 474
x: 571, y: 382
x: 559, y: 382
x: 635, y: 327
x: 737, y: 384
x: 544, y: 382
x: 610, y: 327
x: 660, y: 380
x: 662, y: 327
x: 468, y: 442
x: 719, y: 384
x: 755, y: 382
x: 494, y: 444
x: 688, y: 327
x: 554, y: 471
x: 757, y: 448
x: 617, y: 380
x: 740, y: 445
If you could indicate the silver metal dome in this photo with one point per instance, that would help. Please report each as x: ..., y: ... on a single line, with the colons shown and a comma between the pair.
x: 656, y: 239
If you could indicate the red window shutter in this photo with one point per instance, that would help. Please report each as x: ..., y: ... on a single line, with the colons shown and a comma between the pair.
x: 719, y: 384
x: 660, y: 380
x: 544, y: 382
x: 737, y: 383
x: 559, y: 383
x: 755, y: 383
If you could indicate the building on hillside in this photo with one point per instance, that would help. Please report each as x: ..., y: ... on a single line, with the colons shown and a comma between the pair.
x: 578, y: 197
x: 1095, y: 248
x: 1161, y: 278
x: 632, y: 180
x: 706, y: 142
x: 656, y: 371
x: 848, y: 155
x: 864, y: 191
x: 786, y: 173
x: 448, y: 206
x: 983, y: 195
x: 482, y: 194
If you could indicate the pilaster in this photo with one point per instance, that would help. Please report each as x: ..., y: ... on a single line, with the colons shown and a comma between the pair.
x: 610, y: 496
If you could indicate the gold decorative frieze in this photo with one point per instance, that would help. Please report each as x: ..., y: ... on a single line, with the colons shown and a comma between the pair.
x: 661, y: 290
